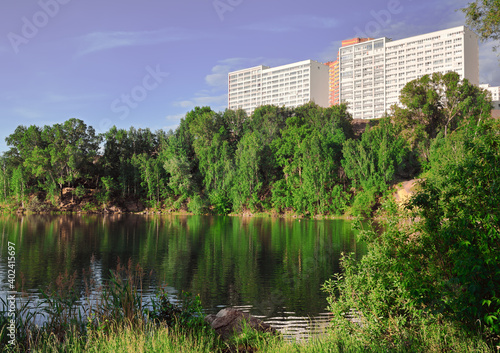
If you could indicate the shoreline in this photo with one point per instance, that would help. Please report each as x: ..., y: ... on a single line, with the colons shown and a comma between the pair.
x: 270, y: 214
x: 88, y: 205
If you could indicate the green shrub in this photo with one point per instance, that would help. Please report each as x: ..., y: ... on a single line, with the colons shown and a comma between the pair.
x: 186, y: 313
x: 35, y: 205
x: 439, y: 259
x: 198, y: 205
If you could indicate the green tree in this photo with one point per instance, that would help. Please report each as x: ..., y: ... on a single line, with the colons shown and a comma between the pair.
x: 153, y: 177
x: 248, y: 179
x: 237, y: 124
x: 309, y: 152
x: 214, y: 152
x: 18, y: 185
x: 437, y: 103
x: 180, y: 169
x: 116, y: 157
x: 120, y: 147
x: 269, y: 120
x: 24, y: 140
x: 483, y: 16
x: 4, y: 178
x: 70, y: 152
x: 372, y: 163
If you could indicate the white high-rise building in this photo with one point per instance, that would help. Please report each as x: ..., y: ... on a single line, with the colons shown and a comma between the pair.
x: 372, y: 73
x: 288, y: 85
x: 495, y: 94
x: 495, y: 91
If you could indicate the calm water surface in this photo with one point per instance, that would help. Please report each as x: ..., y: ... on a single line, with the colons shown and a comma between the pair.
x: 273, y: 268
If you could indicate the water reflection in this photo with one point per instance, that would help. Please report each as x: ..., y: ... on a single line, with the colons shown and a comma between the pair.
x: 272, y: 267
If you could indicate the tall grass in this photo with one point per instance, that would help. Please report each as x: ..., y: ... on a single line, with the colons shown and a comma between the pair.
x: 60, y: 312
x: 153, y: 338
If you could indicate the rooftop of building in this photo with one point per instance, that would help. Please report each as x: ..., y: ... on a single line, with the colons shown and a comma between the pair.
x: 263, y: 67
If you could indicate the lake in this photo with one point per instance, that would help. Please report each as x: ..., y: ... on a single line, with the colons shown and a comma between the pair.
x: 272, y: 267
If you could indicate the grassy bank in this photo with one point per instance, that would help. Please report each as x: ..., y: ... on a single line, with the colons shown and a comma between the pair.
x: 153, y: 338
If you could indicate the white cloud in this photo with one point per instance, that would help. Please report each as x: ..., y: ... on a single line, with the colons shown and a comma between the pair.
x: 293, y: 24
x: 175, y: 117
x: 218, y: 77
x: 330, y: 53
x: 183, y: 104
x: 170, y: 127
x: 52, y: 97
x: 213, y: 101
x: 98, y: 41
x: 26, y: 113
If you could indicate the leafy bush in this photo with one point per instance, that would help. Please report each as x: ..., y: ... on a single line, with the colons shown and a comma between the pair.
x: 35, y: 205
x: 198, y: 205
x: 221, y: 202
x: 79, y: 191
x: 439, y: 259
x: 459, y: 206
x: 187, y: 313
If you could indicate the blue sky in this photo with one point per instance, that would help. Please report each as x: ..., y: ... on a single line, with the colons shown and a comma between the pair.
x: 146, y: 63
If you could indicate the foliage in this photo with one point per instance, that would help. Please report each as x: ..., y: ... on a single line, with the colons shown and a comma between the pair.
x: 436, y: 104
x: 18, y: 185
x: 436, y: 261
x: 286, y: 159
x: 152, y: 176
x: 186, y: 313
x: 198, y: 205
x: 4, y: 179
x: 51, y: 191
x: 36, y: 205
x: 373, y: 162
x: 309, y: 152
x: 108, y: 187
x: 483, y: 16
x: 440, y: 102
x: 459, y: 203
x: 249, y: 180
x: 250, y: 340
x: 121, y: 297
x: 79, y: 191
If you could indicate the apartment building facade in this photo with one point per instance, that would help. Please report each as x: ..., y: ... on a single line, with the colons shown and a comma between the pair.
x: 333, y: 82
x: 334, y: 71
x: 373, y: 72
x: 495, y: 94
x: 289, y: 85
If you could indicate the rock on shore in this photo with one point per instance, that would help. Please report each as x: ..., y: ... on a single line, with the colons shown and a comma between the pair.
x: 231, y: 321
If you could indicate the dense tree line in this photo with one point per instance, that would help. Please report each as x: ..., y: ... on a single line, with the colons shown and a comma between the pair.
x: 305, y: 160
